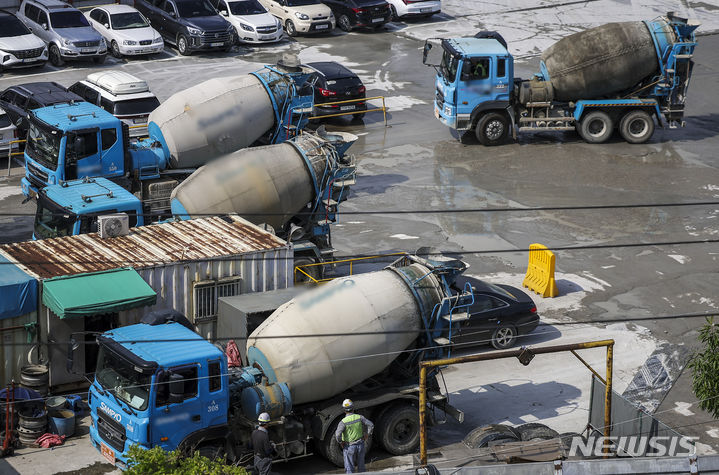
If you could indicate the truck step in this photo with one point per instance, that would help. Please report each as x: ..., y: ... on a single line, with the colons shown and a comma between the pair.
x: 539, y: 104
x: 442, y: 341
x: 683, y: 56
x: 329, y: 203
x: 343, y: 183
x: 457, y: 317
x: 328, y: 250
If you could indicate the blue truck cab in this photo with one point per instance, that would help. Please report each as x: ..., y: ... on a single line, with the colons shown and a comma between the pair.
x: 72, y: 207
x: 156, y: 385
x: 476, y: 74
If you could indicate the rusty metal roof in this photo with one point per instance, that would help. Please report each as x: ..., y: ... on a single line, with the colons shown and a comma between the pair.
x: 145, y: 246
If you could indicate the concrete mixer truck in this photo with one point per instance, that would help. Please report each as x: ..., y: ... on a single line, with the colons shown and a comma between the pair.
x: 189, y: 129
x: 616, y: 76
x: 293, y: 187
x: 360, y: 337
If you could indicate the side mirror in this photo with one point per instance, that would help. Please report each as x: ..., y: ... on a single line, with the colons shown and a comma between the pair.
x: 173, y: 15
x: 425, y: 52
x: 177, y: 388
x: 44, y: 26
x: 223, y: 12
x: 72, y: 345
x: 107, y: 25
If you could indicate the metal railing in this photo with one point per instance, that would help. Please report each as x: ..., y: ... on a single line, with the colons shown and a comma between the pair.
x: 11, y: 154
x: 303, y: 269
x: 139, y: 127
x: 364, y: 99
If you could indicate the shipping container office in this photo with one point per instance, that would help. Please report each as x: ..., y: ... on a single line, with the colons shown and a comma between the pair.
x: 188, y: 264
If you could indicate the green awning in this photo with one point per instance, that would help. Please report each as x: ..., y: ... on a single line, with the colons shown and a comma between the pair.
x: 95, y: 293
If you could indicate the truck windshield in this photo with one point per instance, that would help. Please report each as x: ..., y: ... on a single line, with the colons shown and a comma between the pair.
x: 52, y: 221
x: 117, y: 375
x: 448, y: 66
x: 43, y: 145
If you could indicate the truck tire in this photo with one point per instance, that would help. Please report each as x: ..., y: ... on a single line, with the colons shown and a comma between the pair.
x: 492, y: 128
x: 504, y: 337
x: 482, y: 436
x: 315, y: 271
x: 182, y: 46
x: 596, y: 127
x: 212, y: 451
x: 331, y: 449
x: 398, y: 429
x: 636, y: 126
x: 535, y: 431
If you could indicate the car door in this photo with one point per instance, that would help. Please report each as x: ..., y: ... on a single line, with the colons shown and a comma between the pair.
x: 485, y: 314
x: 169, y: 21
x: 276, y: 8
x: 153, y: 13
x: 43, y: 26
x: 9, y: 101
x: 102, y: 18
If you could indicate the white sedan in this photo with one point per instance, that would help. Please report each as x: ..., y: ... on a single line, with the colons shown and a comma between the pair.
x: 251, y: 20
x: 126, y: 31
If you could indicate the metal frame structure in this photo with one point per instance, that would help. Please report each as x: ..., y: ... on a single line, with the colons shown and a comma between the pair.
x: 524, y: 355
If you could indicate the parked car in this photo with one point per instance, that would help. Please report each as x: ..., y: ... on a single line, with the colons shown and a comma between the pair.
x: 499, y: 315
x: 360, y: 13
x: 8, y: 133
x: 251, y: 20
x: 414, y: 8
x: 336, y: 83
x: 190, y: 25
x: 125, y: 30
x: 18, y: 46
x: 122, y: 95
x: 64, y: 29
x: 301, y: 16
x: 18, y: 100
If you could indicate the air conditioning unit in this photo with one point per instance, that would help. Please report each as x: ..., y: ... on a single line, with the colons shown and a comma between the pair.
x: 113, y: 225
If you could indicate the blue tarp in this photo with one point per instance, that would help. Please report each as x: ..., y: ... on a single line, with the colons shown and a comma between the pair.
x: 18, y: 291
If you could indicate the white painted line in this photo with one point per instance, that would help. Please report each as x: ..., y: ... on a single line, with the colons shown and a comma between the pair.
x: 713, y: 433
x: 683, y: 408
x: 679, y: 258
x: 403, y: 236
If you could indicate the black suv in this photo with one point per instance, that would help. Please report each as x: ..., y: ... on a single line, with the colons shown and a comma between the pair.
x: 191, y: 25
x: 360, y: 13
x: 18, y: 100
x: 336, y: 83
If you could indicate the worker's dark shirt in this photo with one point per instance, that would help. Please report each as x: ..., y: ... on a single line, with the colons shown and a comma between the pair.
x: 261, y: 442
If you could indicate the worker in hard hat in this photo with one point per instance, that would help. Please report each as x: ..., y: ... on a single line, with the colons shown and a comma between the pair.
x: 262, y: 446
x: 352, y: 433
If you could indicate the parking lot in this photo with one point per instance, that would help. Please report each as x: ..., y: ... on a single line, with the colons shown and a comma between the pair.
x: 416, y: 182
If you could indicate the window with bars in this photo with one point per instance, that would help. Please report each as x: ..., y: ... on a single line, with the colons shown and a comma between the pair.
x: 207, y: 293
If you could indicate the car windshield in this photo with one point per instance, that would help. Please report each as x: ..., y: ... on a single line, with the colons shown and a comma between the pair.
x: 339, y: 84
x: 69, y: 19
x: 194, y: 9
x: 4, y: 121
x: 448, y: 66
x: 246, y: 7
x: 11, y: 26
x: 52, y: 221
x: 118, y: 376
x: 136, y: 106
x: 126, y: 21
x: 499, y: 290
x: 300, y: 3
x: 43, y: 145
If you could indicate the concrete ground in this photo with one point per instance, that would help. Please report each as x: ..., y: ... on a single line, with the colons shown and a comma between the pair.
x: 417, y: 164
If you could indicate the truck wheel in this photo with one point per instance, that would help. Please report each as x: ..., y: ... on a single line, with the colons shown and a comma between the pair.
x: 331, y: 449
x: 212, y: 452
x: 596, y: 127
x: 504, y: 337
x: 182, y: 46
x: 636, y: 126
x: 492, y: 128
x: 290, y: 28
x: 497, y: 433
x: 315, y: 271
x: 535, y: 431
x: 398, y: 429
x: 55, y: 57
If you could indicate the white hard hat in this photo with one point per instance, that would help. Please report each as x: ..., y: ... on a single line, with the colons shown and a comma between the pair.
x: 264, y: 418
x: 347, y: 404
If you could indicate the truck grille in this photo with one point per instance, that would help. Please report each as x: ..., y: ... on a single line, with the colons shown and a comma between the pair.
x: 36, y: 176
x: 145, y: 42
x: 215, y: 37
x: 266, y: 29
x: 111, y: 432
x: 440, y: 99
x: 86, y: 44
x: 28, y: 53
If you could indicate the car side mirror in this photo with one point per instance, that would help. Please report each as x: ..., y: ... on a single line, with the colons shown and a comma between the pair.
x: 223, y: 12
x: 177, y: 388
x: 44, y: 26
x: 172, y: 14
x: 106, y: 25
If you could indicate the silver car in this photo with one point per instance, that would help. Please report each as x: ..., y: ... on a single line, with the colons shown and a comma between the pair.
x: 8, y: 133
x: 64, y: 29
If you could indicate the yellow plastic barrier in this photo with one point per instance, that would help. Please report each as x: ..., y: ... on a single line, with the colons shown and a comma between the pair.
x: 540, y: 271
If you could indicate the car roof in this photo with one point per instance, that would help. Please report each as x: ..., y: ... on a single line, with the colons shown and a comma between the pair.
x: 53, y: 4
x: 331, y: 69
x: 481, y: 286
x: 7, y: 13
x: 46, y: 93
x: 116, y: 8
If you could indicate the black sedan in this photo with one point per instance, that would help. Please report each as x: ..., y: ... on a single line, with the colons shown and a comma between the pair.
x: 336, y: 83
x: 360, y: 13
x: 499, y: 315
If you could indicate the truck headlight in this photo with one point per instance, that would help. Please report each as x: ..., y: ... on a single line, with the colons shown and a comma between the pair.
x: 302, y: 16
x: 246, y: 27
x: 447, y: 110
x: 129, y: 42
x: 194, y: 31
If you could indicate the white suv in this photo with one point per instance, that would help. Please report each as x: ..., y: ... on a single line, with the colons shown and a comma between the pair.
x: 251, y: 20
x: 18, y: 46
x: 125, y: 30
x: 301, y: 16
x: 414, y: 8
x: 122, y: 95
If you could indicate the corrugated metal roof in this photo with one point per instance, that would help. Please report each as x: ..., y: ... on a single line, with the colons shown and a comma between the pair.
x: 145, y: 246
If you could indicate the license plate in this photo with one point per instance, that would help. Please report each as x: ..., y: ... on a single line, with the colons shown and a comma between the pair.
x: 436, y: 113
x: 322, y: 27
x: 216, y: 44
x: 347, y: 108
x: 377, y: 20
x: 107, y: 453
x: 425, y: 10
x: 87, y: 50
x: 267, y: 37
